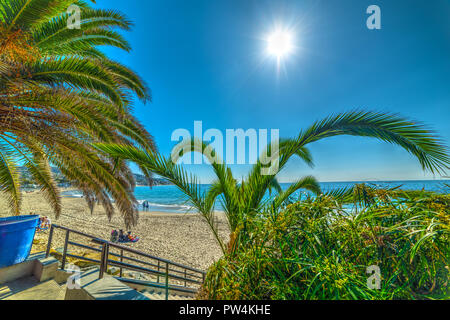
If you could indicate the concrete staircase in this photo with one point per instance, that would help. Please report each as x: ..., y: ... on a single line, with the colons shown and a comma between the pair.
x: 154, y: 294
x: 38, y: 278
x: 157, y: 291
x: 32, y: 279
x: 29, y: 288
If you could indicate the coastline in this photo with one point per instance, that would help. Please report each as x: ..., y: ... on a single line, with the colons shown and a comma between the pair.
x: 182, y: 238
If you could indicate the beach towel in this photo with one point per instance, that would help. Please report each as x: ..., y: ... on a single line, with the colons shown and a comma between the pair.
x: 120, y: 237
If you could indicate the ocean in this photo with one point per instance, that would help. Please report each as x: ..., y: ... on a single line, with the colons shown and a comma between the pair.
x: 169, y: 198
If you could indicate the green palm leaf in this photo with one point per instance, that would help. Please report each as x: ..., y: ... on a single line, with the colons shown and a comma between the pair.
x: 58, y: 94
x: 243, y: 201
x: 9, y: 181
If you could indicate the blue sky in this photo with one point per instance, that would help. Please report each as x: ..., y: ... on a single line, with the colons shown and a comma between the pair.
x: 204, y: 60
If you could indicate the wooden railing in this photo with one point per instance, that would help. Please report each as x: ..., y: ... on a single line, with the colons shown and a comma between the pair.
x: 188, y: 279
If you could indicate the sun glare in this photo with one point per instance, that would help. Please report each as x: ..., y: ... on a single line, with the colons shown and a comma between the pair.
x: 279, y: 44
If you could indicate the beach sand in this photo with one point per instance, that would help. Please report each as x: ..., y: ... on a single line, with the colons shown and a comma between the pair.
x: 183, y: 238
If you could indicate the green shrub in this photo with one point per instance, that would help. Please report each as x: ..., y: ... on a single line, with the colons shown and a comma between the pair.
x: 315, y: 249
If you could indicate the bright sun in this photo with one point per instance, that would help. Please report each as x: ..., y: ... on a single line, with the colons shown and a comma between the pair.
x: 279, y: 44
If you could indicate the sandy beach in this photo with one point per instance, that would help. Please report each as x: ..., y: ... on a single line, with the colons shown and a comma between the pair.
x: 182, y: 238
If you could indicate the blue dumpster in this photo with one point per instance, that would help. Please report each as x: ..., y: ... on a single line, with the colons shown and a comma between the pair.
x: 16, y: 238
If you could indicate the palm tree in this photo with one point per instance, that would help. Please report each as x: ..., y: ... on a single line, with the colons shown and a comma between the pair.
x: 58, y: 94
x: 243, y: 201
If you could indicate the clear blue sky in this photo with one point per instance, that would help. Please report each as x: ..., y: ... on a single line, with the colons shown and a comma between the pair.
x: 204, y: 61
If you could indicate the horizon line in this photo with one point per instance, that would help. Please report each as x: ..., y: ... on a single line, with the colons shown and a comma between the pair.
x: 406, y: 180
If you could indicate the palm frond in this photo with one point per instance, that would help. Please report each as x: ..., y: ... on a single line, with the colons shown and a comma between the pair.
x: 308, y: 183
x: 40, y: 171
x: 9, y: 181
x: 59, y: 93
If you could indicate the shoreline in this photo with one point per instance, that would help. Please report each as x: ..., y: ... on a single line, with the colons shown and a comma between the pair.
x: 183, y: 238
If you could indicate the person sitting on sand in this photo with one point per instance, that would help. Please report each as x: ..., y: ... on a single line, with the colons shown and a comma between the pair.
x: 114, y: 236
x: 121, y: 236
x: 44, y: 224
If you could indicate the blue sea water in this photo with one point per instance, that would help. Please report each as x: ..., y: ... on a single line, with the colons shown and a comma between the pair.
x: 169, y: 198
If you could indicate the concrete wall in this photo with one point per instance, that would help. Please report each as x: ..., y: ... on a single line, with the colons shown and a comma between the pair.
x: 36, y: 265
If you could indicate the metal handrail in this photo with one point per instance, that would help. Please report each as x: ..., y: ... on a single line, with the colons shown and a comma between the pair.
x: 100, y: 241
x: 105, y: 261
x: 111, y: 244
x: 146, y: 270
x: 129, y: 258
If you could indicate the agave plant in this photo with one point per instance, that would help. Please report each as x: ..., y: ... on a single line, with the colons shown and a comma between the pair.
x: 242, y: 201
x: 58, y: 94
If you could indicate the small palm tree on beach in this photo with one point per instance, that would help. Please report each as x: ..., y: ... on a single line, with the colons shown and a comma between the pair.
x: 242, y: 201
x: 58, y: 94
